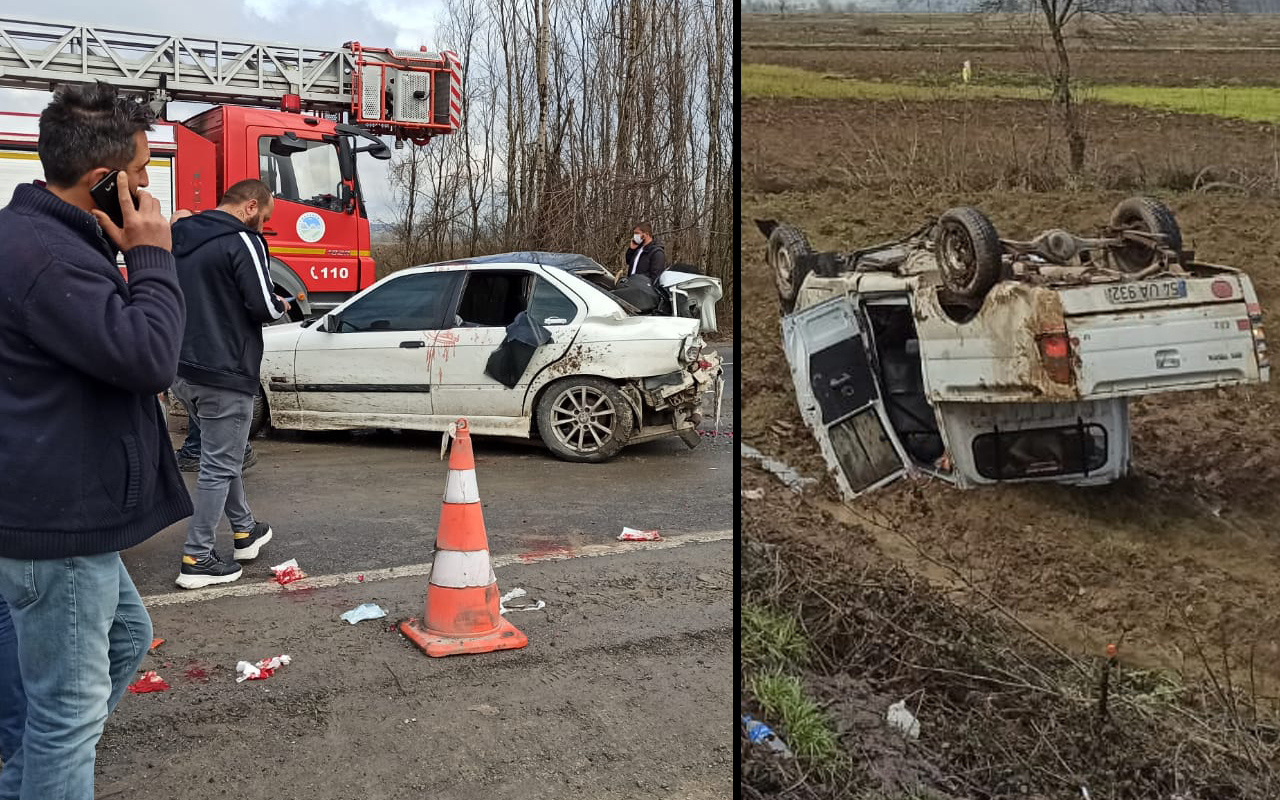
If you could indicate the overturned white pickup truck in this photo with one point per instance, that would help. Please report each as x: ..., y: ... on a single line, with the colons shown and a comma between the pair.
x: 979, y: 360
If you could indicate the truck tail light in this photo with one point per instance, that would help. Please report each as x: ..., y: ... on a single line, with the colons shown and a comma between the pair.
x: 1055, y: 355
x: 1259, y: 335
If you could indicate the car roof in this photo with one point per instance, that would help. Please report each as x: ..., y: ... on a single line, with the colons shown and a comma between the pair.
x: 565, y: 261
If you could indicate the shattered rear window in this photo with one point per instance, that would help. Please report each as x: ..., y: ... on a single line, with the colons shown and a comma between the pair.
x: 1068, y: 450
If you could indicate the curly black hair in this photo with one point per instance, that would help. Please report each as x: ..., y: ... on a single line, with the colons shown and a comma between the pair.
x: 86, y: 127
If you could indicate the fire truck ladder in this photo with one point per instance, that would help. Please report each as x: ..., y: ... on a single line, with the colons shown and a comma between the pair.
x: 402, y: 93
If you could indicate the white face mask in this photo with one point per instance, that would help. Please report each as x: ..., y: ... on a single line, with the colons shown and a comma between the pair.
x: 638, y: 238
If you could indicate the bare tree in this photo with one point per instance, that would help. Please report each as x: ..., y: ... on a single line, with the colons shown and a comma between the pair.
x: 581, y: 118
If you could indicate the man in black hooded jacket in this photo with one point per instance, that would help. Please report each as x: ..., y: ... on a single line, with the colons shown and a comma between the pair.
x: 223, y: 268
x: 645, y: 254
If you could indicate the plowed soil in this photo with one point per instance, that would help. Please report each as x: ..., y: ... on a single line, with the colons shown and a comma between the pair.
x: 1177, y: 563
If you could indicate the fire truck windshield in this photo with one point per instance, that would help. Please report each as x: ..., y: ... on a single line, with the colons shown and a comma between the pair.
x: 310, y: 175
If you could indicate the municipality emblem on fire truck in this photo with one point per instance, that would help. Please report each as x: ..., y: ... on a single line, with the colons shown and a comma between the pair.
x: 310, y: 227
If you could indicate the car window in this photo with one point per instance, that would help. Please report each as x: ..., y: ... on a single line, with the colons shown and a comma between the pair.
x: 492, y: 298
x: 1040, y: 452
x: 408, y: 303
x: 586, y: 287
x: 549, y: 303
x: 311, y: 177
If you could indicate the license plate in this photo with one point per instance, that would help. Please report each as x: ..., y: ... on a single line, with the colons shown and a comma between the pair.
x: 1146, y: 291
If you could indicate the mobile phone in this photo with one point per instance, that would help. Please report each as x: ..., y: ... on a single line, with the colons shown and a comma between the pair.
x: 106, y: 196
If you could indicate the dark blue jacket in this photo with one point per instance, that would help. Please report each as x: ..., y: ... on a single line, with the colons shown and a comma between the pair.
x: 86, y: 465
x: 226, y: 279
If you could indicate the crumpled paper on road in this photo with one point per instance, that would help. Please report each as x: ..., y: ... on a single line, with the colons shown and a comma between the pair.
x: 149, y: 682
x: 260, y: 671
x: 288, y: 572
x: 633, y: 535
x: 512, y: 595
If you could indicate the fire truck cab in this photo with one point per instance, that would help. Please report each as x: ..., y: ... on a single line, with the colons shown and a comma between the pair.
x: 331, y: 105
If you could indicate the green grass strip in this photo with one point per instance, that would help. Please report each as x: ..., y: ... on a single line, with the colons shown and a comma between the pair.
x: 803, y: 726
x: 1252, y: 103
x: 771, y: 640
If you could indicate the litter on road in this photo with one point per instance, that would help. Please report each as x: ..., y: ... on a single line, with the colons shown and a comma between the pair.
x: 633, y: 535
x: 149, y: 682
x: 794, y: 480
x: 260, y: 671
x: 511, y: 602
x: 288, y: 572
x: 155, y: 643
x: 759, y: 733
x: 903, y: 720
x: 363, y: 612
x: 753, y: 494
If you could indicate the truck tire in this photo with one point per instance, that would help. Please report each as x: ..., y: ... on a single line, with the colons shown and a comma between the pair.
x: 260, y: 417
x: 968, y: 252
x: 786, y: 244
x: 584, y: 419
x: 1143, y: 214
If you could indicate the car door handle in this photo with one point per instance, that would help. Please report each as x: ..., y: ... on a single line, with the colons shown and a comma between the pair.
x: 414, y: 343
x: 269, y: 232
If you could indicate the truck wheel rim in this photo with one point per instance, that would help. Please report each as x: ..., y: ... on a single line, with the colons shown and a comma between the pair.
x: 784, y: 265
x: 957, y: 254
x: 582, y: 419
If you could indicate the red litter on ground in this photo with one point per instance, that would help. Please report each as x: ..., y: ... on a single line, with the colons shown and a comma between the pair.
x: 149, y: 682
x: 260, y: 671
x: 288, y: 572
x: 633, y: 535
x: 155, y: 643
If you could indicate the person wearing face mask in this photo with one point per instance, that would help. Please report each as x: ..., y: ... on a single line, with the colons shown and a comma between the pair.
x: 645, y: 254
x: 223, y: 268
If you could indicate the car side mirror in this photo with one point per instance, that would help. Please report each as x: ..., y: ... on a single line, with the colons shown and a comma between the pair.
x: 330, y: 323
x: 378, y: 150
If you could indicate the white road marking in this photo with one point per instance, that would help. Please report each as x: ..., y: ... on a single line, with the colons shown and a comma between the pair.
x: 266, y: 587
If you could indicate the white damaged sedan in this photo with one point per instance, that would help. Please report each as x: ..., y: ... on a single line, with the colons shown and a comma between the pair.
x: 519, y: 349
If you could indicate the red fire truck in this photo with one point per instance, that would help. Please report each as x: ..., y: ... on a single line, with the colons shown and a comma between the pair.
x: 296, y: 117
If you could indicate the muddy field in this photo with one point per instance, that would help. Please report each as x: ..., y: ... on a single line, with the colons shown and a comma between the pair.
x: 1157, y: 49
x: 1178, y: 563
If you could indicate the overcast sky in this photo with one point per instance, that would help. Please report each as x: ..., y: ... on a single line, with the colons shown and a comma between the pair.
x: 312, y: 23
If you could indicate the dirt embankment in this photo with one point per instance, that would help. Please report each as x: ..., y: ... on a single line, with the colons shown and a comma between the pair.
x: 1178, y: 563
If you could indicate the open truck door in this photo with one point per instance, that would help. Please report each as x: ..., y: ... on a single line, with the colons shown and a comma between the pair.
x: 839, y: 396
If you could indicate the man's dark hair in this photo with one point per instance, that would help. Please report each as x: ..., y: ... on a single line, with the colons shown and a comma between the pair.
x: 645, y: 228
x: 246, y: 190
x: 86, y: 127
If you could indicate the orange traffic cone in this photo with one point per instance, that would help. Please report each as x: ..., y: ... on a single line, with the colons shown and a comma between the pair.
x: 462, y: 614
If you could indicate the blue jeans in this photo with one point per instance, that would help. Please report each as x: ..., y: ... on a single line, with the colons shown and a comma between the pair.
x: 82, y: 633
x: 13, y: 703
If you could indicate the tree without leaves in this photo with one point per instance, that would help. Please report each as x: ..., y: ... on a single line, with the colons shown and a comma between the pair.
x: 582, y: 118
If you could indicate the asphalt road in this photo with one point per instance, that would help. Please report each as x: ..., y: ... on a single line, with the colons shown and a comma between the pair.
x: 341, y: 502
x: 624, y: 690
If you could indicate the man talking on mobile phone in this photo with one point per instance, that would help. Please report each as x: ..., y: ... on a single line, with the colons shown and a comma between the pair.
x: 86, y: 466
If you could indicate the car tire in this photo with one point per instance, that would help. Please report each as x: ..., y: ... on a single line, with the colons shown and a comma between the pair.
x: 1145, y: 214
x: 786, y: 244
x: 968, y: 252
x: 562, y: 427
x: 258, y: 421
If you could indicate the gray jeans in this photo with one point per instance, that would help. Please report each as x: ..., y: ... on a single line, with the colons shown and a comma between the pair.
x: 224, y: 416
